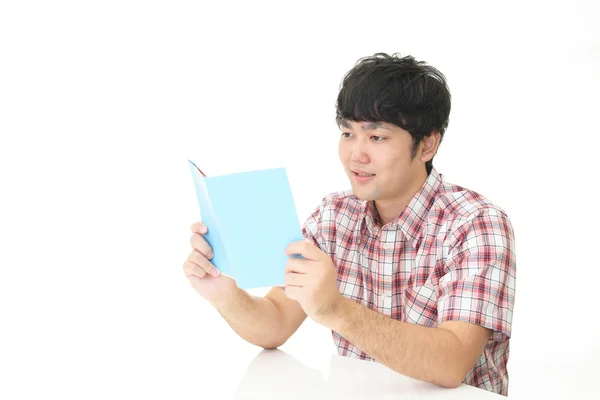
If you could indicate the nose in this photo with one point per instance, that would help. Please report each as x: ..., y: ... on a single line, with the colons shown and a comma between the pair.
x: 359, y: 152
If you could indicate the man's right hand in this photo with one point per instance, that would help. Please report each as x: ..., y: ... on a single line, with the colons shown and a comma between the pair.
x: 202, y: 274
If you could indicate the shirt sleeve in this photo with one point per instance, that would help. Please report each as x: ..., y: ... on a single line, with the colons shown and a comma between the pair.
x: 478, y: 285
x: 312, y: 228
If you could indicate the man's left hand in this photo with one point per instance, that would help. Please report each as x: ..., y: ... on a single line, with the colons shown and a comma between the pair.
x: 312, y: 281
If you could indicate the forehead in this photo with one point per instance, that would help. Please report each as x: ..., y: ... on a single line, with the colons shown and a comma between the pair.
x: 366, y: 125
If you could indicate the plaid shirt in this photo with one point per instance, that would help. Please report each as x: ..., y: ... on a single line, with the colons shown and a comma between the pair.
x: 448, y: 256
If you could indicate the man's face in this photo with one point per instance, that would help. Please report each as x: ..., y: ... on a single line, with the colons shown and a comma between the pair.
x: 377, y: 159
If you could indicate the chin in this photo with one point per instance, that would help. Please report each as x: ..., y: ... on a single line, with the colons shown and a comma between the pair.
x: 365, y: 195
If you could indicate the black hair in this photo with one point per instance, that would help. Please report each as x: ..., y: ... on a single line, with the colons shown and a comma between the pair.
x: 397, y: 90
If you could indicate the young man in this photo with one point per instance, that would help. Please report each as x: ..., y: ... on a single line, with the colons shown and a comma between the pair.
x: 405, y: 269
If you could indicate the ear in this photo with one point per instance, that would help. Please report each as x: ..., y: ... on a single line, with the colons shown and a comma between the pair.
x: 429, y: 146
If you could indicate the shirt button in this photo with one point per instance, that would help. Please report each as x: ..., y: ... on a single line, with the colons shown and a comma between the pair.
x: 387, y: 269
x: 388, y: 246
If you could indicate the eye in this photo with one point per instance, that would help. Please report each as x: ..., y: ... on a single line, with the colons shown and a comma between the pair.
x: 377, y: 138
x: 346, y: 135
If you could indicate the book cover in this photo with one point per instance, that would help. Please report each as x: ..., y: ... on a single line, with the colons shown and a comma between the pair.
x: 251, y: 219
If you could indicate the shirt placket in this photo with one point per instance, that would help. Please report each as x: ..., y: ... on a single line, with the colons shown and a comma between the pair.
x: 386, y: 270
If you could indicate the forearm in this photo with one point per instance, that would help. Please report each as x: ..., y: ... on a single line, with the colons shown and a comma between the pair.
x: 255, y: 319
x: 428, y: 354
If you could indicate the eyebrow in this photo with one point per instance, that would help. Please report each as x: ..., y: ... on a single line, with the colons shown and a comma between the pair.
x: 368, y: 126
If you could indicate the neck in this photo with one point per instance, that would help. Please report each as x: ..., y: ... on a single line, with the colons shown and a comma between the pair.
x: 389, y: 209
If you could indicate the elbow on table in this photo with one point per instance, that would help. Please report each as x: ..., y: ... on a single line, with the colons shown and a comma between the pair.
x: 272, y: 343
x: 450, y: 383
x: 270, y: 346
x: 452, y: 379
x: 264, y: 342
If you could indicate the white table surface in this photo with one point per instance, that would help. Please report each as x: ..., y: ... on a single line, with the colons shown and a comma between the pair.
x: 88, y: 345
x: 276, y: 374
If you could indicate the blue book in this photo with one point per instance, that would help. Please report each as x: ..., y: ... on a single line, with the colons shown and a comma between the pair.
x: 251, y: 219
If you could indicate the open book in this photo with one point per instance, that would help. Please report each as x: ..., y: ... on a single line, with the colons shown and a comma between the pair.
x: 251, y: 219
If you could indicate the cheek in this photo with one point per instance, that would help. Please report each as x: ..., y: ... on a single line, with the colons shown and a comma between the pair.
x: 392, y: 169
x: 343, y: 153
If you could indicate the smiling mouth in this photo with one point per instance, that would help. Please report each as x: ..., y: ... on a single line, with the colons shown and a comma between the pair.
x: 362, y: 174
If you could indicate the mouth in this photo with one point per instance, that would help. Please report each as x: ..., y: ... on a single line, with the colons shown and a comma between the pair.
x: 362, y: 176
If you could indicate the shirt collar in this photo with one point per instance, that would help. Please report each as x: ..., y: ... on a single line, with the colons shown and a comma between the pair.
x: 411, y: 220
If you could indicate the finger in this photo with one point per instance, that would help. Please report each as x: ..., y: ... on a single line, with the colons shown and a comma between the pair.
x: 199, y: 227
x: 304, y: 248
x: 201, y: 261
x: 201, y: 245
x: 292, y: 279
x: 192, y: 269
x: 293, y: 292
x: 297, y: 265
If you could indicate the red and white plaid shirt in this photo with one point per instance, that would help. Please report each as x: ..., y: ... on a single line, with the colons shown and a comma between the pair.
x: 450, y: 255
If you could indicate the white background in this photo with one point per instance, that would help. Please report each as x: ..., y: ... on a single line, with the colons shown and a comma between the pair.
x: 102, y: 103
